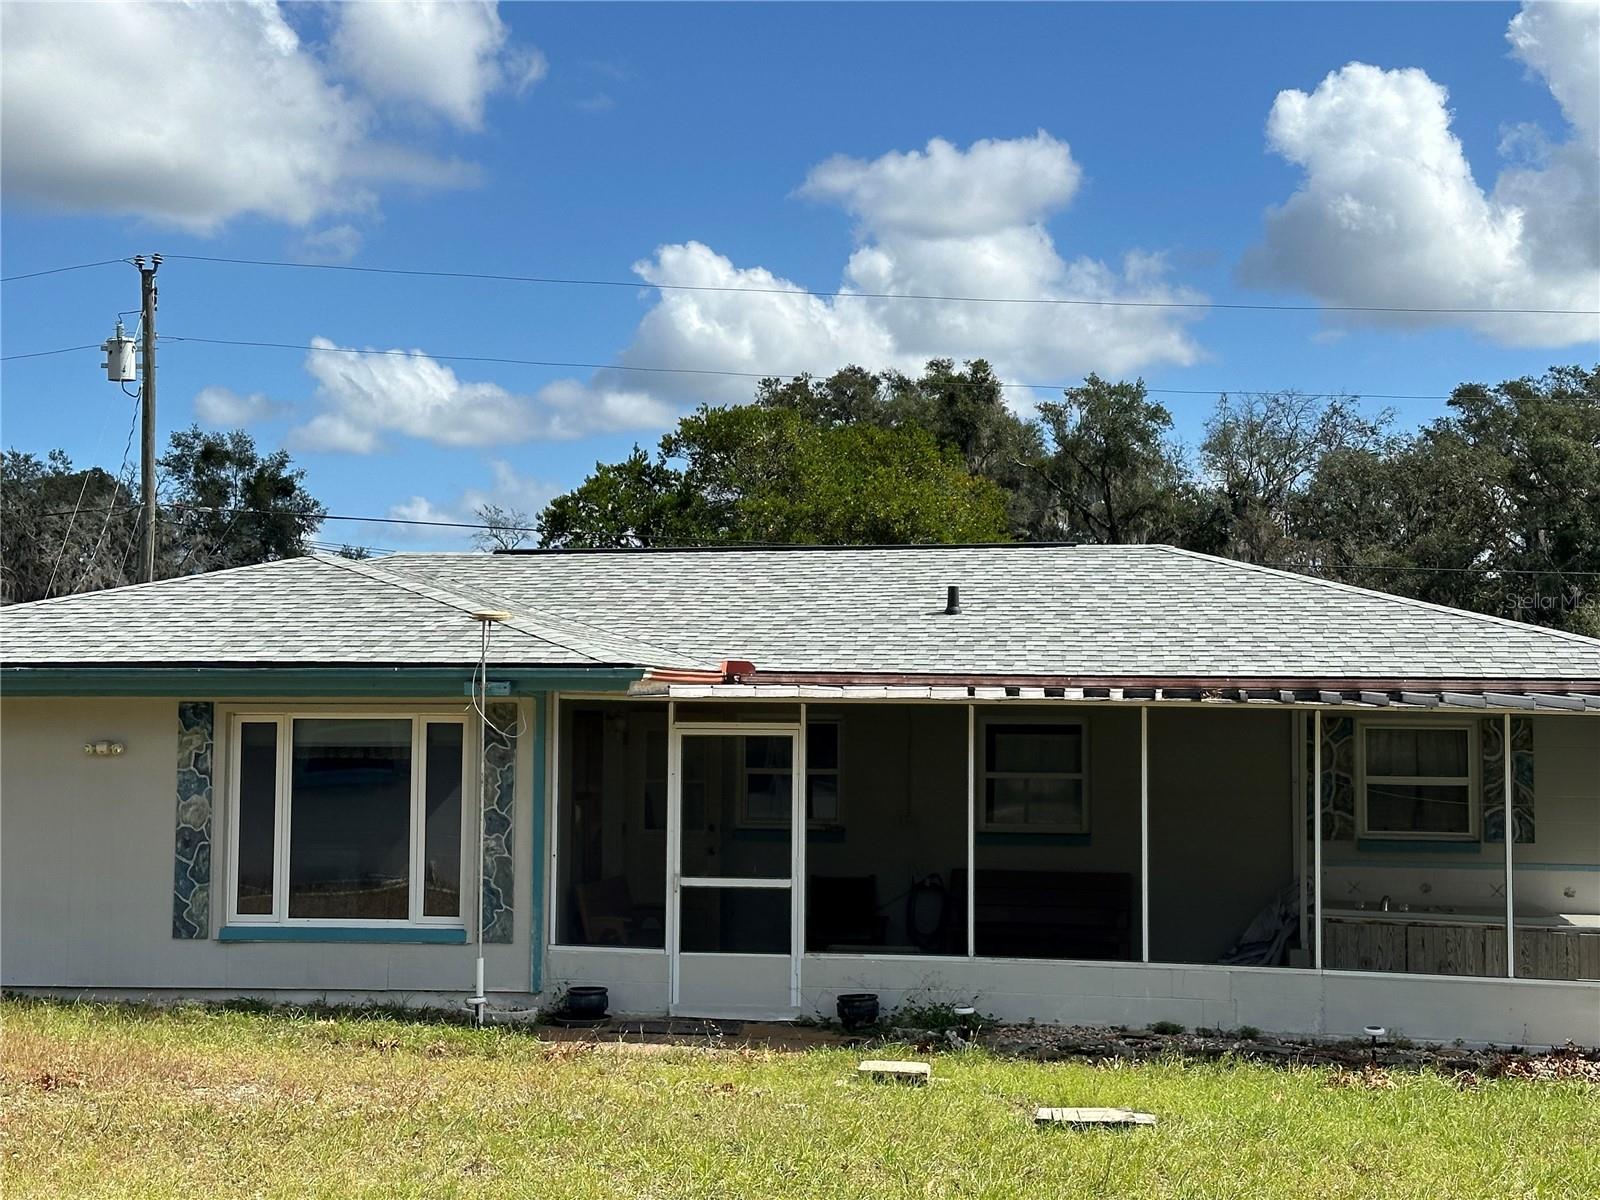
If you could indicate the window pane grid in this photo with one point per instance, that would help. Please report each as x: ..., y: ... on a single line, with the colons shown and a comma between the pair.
x: 1034, y: 778
x: 1417, y: 781
x: 367, y: 829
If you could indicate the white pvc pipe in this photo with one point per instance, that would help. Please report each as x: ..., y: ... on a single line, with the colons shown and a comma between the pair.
x: 1316, y: 825
x: 1144, y: 833
x: 1511, y: 923
x: 478, y: 1002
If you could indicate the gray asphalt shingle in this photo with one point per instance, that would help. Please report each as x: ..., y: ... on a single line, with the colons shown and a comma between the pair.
x: 1126, y: 611
x: 1026, y: 610
x: 302, y: 611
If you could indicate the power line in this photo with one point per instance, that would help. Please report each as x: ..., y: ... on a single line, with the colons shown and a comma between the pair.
x: 917, y: 296
x: 821, y: 294
x: 558, y: 364
x: 47, y: 353
x: 568, y: 365
x: 107, y: 262
x: 124, y: 479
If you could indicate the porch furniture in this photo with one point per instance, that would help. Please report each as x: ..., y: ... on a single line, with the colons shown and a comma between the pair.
x: 611, y: 918
x: 1265, y: 939
x: 1048, y: 914
x: 842, y: 910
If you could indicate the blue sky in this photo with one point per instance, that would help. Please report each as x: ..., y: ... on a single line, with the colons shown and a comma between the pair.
x: 1120, y: 151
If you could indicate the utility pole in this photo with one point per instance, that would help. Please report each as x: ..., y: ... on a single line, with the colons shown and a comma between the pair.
x: 147, y: 397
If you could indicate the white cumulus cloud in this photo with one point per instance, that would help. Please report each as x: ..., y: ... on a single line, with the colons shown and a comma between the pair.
x: 447, y: 57
x: 937, y: 221
x: 366, y: 394
x: 505, y: 488
x: 224, y: 406
x: 194, y: 114
x: 1389, y: 212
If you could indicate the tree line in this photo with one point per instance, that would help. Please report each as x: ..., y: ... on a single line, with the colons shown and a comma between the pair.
x: 1494, y: 506
x: 220, y: 503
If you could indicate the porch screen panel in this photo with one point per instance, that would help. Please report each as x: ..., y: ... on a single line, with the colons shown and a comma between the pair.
x: 886, y: 854
x: 738, y: 795
x: 735, y: 921
x: 441, y: 819
x: 1556, y: 887
x: 611, y: 824
x: 1417, y: 882
x: 1056, y: 847
x: 258, y: 792
x: 1224, y: 816
x: 350, y: 820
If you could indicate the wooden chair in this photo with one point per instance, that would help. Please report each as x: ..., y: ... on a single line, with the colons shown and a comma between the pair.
x: 842, y: 910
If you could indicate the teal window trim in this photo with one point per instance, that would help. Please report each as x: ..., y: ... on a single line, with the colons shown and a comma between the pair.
x: 267, y: 683
x: 401, y: 934
x: 1032, y: 839
x: 824, y: 835
x: 1368, y: 845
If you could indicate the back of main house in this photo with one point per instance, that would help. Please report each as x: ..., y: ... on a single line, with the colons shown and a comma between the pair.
x: 1081, y: 784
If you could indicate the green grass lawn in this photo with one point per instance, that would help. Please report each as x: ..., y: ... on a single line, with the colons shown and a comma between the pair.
x: 105, y: 1101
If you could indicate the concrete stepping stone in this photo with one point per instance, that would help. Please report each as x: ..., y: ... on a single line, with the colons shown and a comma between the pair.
x: 899, y: 1072
x: 1084, y: 1118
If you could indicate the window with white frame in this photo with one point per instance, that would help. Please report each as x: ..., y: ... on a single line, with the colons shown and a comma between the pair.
x: 764, y: 802
x: 1035, y: 777
x: 1417, y: 780
x: 344, y: 819
x: 822, y: 772
x: 767, y: 779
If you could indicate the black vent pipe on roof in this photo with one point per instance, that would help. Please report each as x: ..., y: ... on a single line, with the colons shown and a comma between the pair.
x: 952, y: 601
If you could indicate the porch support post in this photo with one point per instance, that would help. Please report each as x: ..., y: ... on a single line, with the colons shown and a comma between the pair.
x: 1511, y: 923
x: 1316, y: 827
x: 1144, y: 833
x: 800, y: 784
x: 553, y: 811
x: 972, y: 830
x: 674, y: 832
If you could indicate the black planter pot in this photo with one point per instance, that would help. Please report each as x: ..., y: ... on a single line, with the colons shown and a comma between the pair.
x: 586, y: 1002
x: 857, y: 1010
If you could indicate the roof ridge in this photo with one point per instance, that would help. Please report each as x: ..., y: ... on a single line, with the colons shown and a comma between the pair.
x: 463, y: 603
x: 1410, y: 601
x: 541, y: 616
x: 530, y: 623
x: 169, y: 581
x: 755, y: 547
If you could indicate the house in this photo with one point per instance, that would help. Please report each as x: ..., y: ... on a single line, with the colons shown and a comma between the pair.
x: 1070, y: 783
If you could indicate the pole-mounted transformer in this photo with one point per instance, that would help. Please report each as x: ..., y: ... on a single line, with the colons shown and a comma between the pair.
x: 119, y: 348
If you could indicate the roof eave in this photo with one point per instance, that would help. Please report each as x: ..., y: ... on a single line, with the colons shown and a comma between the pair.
x: 265, y: 681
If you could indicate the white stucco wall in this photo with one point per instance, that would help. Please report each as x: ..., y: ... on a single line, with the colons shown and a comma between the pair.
x: 86, y: 861
x: 86, y: 871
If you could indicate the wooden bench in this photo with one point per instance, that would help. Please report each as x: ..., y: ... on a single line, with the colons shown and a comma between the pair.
x: 1048, y: 914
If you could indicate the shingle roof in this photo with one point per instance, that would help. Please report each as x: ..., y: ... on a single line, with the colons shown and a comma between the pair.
x: 1123, y: 611
x: 1080, y: 611
x: 303, y: 611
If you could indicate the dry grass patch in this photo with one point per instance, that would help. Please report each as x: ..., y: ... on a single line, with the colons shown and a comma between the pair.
x: 104, y: 1101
